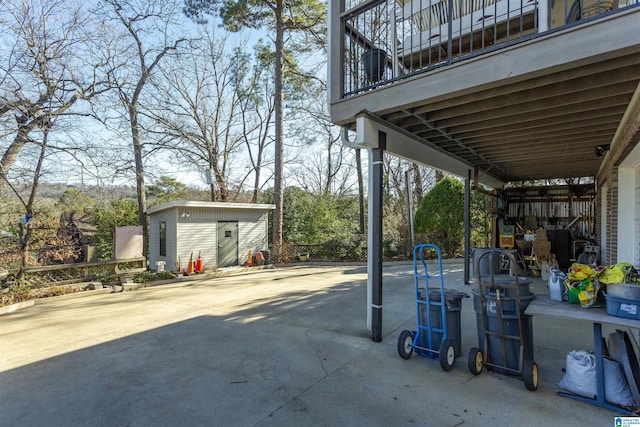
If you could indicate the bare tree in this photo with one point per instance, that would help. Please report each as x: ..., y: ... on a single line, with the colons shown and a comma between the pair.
x: 396, y: 225
x: 257, y: 107
x: 36, y: 230
x: 326, y: 169
x: 48, y: 63
x: 197, y: 110
x: 331, y: 170
x: 418, y: 187
x: 150, y: 33
x: 285, y: 19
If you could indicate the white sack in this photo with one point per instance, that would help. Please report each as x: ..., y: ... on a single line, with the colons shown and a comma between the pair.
x: 580, y: 378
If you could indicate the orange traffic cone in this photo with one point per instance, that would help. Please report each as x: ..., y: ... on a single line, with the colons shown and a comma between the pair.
x: 199, y: 263
x: 190, y: 265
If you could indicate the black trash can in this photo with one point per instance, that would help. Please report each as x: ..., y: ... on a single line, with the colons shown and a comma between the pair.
x: 487, y: 264
x: 511, y: 313
x: 453, y: 306
x: 524, y: 283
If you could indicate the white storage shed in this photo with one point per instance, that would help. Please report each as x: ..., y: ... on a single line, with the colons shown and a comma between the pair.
x: 222, y: 233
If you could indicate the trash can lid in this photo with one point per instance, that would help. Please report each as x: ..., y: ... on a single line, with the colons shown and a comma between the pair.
x: 506, y: 279
x: 449, y: 294
x: 492, y: 296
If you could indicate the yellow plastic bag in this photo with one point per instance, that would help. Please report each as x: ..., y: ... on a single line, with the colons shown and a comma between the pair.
x: 583, y: 292
x: 579, y: 272
x: 626, y: 268
x: 588, y: 296
x: 611, y: 275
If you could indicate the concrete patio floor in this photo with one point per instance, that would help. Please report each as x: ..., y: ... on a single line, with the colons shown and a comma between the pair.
x: 285, y: 346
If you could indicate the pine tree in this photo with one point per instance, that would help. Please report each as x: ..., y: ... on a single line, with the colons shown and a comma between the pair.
x: 304, y: 21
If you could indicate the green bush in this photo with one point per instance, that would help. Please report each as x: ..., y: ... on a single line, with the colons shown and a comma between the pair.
x: 165, y: 275
x: 440, y: 216
x: 144, y: 277
x: 147, y: 277
x: 120, y: 212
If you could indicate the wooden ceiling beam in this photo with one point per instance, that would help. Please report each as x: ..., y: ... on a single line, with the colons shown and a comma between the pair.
x: 545, y: 154
x: 609, y: 113
x: 540, y: 128
x: 559, y: 100
x: 598, y: 68
x: 523, y: 171
x: 546, y: 114
x: 533, y: 139
x: 576, y: 86
x: 550, y: 134
x: 505, y: 149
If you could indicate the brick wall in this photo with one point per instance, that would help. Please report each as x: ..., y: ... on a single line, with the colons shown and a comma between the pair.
x: 624, y: 141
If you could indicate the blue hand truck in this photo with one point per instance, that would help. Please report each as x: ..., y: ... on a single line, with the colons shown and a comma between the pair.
x: 431, y: 338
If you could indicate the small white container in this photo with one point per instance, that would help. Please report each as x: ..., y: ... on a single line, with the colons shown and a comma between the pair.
x: 160, y: 265
x: 556, y: 285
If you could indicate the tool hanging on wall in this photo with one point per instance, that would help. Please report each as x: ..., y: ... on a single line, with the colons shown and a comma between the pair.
x: 554, y: 219
x: 531, y: 221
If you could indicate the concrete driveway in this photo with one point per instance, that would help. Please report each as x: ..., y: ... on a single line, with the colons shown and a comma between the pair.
x: 287, y: 346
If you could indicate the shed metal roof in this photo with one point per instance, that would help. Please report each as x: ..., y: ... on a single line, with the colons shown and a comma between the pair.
x: 208, y: 205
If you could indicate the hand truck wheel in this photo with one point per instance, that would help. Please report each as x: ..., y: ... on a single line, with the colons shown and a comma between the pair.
x: 447, y: 354
x: 475, y: 361
x: 405, y: 344
x: 530, y: 374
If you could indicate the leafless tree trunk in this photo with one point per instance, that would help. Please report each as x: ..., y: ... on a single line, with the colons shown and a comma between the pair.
x: 138, y: 21
x: 34, y: 228
x: 418, y: 189
x: 278, y: 187
x: 26, y: 240
x: 257, y: 110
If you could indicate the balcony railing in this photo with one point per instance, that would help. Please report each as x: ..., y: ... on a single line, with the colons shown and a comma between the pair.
x: 388, y: 40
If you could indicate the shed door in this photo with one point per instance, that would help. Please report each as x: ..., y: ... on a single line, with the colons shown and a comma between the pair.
x: 227, y: 243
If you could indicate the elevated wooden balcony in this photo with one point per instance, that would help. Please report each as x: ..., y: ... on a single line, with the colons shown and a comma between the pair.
x: 517, y: 89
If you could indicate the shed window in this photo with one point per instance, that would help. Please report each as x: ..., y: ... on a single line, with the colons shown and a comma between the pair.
x: 163, y: 238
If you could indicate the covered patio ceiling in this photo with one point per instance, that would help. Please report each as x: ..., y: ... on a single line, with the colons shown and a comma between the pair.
x: 545, y: 127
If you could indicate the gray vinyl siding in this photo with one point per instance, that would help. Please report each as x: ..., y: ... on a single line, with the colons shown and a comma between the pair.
x: 203, y: 215
x: 194, y: 238
x: 252, y: 235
